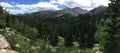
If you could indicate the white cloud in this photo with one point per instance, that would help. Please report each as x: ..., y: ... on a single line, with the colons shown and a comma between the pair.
x: 12, y: 11
x: 40, y: 5
x: 37, y: 7
x: 6, y: 5
x: 52, y: 5
x: 23, y: 8
x: 85, y: 4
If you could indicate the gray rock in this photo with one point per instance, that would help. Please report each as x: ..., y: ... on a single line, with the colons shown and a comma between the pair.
x: 7, y: 51
x: 4, y: 46
x: 3, y: 43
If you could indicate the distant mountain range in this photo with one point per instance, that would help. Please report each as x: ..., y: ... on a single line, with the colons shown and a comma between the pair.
x: 71, y: 11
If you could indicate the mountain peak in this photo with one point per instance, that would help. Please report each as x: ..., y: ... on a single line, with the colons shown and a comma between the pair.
x: 98, y: 9
x: 78, y: 10
x: 75, y: 11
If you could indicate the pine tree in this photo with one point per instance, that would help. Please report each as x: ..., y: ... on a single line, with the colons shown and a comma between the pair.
x: 109, y: 30
x: 2, y: 18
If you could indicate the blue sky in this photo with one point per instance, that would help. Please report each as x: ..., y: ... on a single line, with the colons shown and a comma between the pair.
x: 24, y: 1
x: 29, y: 6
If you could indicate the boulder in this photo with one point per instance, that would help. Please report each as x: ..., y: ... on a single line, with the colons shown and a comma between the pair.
x: 7, y: 51
x: 3, y: 43
x: 4, y: 46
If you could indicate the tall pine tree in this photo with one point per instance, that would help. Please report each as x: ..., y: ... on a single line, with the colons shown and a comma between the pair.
x: 2, y: 18
x: 109, y: 30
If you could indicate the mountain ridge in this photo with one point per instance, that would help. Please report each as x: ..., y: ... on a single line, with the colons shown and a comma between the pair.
x: 98, y: 9
x: 71, y: 11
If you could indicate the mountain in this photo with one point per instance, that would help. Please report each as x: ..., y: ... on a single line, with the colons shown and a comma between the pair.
x: 78, y: 10
x: 98, y: 9
x: 65, y: 12
x: 72, y: 11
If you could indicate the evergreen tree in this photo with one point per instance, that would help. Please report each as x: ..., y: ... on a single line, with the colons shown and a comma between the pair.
x: 53, y: 36
x: 7, y: 19
x: 86, y: 31
x: 2, y: 18
x: 109, y: 30
x: 68, y: 35
x: 114, y: 8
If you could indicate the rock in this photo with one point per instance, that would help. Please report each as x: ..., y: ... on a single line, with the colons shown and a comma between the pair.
x: 3, y: 43
x: 4, y: 46
x: 98, y: 52
x: 7, y: 51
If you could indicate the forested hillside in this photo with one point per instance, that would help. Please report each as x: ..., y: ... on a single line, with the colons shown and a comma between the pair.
x: 54, y: 32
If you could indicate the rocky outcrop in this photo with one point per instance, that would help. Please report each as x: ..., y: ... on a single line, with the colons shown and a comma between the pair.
x: 7, y: 51
x: 3, y: 43
x: 4, y: 46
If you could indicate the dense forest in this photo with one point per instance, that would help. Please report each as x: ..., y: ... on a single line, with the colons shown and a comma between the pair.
x: 66, y: 33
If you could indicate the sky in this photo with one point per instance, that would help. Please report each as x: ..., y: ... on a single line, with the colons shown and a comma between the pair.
x: 30, y: 6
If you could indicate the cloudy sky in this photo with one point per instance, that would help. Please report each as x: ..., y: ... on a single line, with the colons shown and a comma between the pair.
x: 29, y: 6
